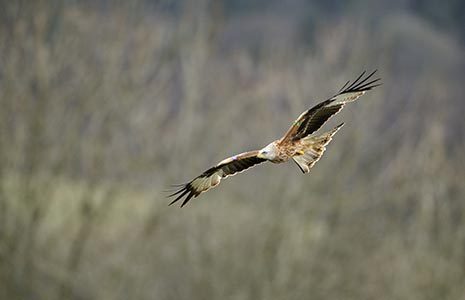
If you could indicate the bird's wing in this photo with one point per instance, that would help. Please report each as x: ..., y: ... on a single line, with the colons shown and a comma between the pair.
x: 312, y: 119
x: 212, y: 177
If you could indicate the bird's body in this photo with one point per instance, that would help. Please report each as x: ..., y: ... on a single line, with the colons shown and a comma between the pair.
x: 282, y: 151
x: 297, y: 144
x: 305, y: 152
x: 285, y: 151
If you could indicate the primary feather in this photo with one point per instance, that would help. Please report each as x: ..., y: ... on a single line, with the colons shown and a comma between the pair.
x: 212, y: 177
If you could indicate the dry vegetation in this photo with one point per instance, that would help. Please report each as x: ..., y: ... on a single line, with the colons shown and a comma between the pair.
x: 102, y: 108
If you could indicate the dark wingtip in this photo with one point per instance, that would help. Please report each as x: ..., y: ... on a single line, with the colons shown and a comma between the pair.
x: 362, y: 83
x: 183, y: 192
x: 369, y: 85
x: 344, y: 86
x: 350, y: 87
x: 173, y: 192
x: 184, y: 189
x: 174, y: 189
x: 376, y: 85
x: 188, y: 198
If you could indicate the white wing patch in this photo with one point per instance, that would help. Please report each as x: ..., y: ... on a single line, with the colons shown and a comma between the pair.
x: 203, y: 184
x: 345, y: 98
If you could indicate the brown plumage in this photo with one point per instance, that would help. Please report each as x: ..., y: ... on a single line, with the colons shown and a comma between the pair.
x: 296, y: 144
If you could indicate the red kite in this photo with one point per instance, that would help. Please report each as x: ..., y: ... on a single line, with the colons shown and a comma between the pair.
x: 297, y: 144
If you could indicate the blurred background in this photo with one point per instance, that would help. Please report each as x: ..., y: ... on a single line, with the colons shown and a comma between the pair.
x: 105, y: 103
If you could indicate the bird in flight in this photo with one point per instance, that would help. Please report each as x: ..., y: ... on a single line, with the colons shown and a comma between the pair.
x: 297, y: 144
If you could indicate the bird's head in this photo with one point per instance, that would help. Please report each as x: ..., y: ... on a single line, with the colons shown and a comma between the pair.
x: 269, y: 152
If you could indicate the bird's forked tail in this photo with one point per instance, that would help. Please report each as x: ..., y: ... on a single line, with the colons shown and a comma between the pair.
x: 315, y: 147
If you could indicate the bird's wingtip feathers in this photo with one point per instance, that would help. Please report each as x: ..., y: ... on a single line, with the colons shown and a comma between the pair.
x: 362, y: 83
x: 184, y: 189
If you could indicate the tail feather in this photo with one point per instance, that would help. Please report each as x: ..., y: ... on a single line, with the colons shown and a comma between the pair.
x: 316, y: 148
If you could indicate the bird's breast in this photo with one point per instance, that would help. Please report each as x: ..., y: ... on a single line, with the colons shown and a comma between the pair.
x: 283, y: 154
